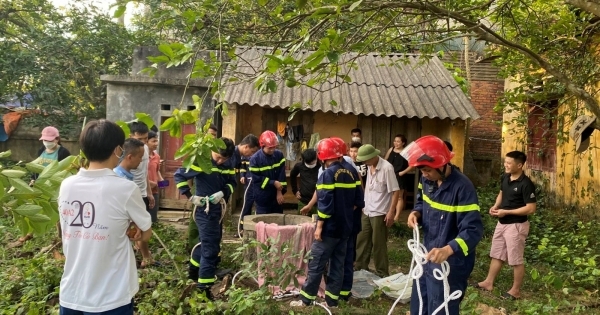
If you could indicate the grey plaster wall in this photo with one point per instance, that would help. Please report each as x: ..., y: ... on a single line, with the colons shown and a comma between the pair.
x: 129, y: 94
x: 124, y: 100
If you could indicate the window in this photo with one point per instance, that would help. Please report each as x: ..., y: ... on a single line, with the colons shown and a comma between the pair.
x: 541, y: 136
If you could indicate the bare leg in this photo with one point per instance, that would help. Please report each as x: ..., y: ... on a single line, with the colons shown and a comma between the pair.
x: 519, y: 274
x: 146, y: 256
x: 495, y: 267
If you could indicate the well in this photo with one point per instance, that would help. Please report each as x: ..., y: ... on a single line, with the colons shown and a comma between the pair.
x: 250, y: 222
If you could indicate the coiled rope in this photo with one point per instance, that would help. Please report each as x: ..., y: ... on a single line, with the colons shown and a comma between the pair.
x: 243, y: 206
x: 419, y: 254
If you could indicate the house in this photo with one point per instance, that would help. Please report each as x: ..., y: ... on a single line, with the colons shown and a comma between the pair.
x: 388, y: 95
x: 553, y: 162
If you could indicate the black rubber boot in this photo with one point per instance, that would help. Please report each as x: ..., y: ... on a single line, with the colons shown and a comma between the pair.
x: 193, y: 272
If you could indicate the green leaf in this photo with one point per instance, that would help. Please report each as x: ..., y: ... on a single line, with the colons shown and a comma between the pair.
x: 167, y: 124
x: 120, y: 11
x: 145, y: 118
x: 354, y: 5
x: 333, y: 56
x: 301, y: 3
x: 34, y: 167
x: 224, y: 110
x: 38, y: 218
x: 166, y: 49
x: 219, y: 143
x: 333, y: 103
x: 13, y: 173
x: 262, y: 3
x: 49, y: 170
x: 272, y: 86
x: 125, y: 127
x: 67, y: 162
x: 28, y: 210
x: 20, y: 185
x: 5, y: 154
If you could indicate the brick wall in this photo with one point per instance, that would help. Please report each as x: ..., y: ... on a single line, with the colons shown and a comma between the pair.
x: 486, y: 132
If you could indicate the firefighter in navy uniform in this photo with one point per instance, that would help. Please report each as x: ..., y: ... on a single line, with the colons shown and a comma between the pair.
x: 339, y: 194
x: 211, y: 192
x: 267, y: 169
x: 241, y: 160
x: 448, y: 210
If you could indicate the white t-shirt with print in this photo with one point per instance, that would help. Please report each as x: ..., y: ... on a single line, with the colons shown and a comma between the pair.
x: 95, y: 210
x: 140, y: 174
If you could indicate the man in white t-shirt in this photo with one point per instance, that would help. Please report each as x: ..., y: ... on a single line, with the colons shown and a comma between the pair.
x: 97, y: 209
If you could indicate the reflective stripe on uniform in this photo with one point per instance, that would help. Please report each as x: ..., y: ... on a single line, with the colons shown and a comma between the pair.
x: 214, y: 169
x: 193, y: 262
x: 206, y: 281
x: 323, y: 215
x: 331, y: 295
x: 182, y: 184
x: 344, y: 293
x: 270, y: 167
x: 230, y: 187
x: 337, y: 185
x: 264, y: 183
x: 462, y: 245
x: 310, y: 297
x: 448, y: 208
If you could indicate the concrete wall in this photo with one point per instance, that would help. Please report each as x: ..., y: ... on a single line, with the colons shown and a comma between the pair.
x: 158, y: 95
x: 24, y: 143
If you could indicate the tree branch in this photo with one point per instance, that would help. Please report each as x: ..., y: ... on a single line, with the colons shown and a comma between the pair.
x: 592, y: 7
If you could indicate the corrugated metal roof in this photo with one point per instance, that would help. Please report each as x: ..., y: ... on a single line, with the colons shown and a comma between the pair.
x: 390, y: 85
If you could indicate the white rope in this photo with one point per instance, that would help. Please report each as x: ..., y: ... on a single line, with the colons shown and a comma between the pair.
x: 419, y: 254
x: 243, y: 205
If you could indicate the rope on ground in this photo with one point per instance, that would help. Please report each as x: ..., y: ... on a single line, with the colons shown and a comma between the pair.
x: 168, y: 253
x: 419, y: 254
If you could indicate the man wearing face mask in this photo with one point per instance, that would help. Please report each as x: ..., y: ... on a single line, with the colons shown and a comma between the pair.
x: 308, y: 170
x: 356, y: 135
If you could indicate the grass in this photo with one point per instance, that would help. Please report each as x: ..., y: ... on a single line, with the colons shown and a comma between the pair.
x: 553, y: 284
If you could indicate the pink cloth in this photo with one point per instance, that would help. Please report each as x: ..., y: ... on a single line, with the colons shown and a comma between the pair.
x: 300, y: 237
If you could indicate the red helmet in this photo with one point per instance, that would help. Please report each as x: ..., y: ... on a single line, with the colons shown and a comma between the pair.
x: 328, y: 149
x: 268, y: 139
x: 427, y: 151
x: 341, y: 143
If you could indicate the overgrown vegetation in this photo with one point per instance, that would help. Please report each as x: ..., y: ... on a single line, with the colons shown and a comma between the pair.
x: 561, y: 272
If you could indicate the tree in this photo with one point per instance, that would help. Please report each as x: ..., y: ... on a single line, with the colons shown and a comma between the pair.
x: 58, y: 57
x: 547, y: 46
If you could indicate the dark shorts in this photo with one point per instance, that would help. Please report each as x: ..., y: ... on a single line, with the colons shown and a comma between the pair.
x: 123, y: 310
x: 147, y: 203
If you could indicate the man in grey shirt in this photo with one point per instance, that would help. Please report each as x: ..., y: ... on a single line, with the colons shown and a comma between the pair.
x: 139, y: 131
x: 381, y: 196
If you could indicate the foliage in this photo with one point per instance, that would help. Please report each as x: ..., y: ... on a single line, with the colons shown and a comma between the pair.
x: 57, y: 57
x: 34, y: 208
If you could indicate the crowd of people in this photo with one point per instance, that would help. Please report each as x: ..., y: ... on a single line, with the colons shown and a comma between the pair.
x: 354, y: 192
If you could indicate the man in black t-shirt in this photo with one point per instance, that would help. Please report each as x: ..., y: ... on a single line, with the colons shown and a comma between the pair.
x: 361, y: 167
x: 514, y: 203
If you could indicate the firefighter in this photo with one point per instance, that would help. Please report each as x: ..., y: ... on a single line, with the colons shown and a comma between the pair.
x: 267, y: 168
x: 212, y: 189
x: 339, y: 194
x: 448, y: 210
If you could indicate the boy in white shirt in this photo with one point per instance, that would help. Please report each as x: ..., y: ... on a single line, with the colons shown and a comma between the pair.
x: 96, y: 207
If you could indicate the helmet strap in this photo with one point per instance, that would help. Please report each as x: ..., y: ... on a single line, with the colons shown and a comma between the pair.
x: 443, y: 172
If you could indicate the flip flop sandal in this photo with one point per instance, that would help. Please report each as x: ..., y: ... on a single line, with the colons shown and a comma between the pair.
x: 508, y: 296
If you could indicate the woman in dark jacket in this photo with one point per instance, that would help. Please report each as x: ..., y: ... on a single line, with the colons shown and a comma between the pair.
x: 400, y: 167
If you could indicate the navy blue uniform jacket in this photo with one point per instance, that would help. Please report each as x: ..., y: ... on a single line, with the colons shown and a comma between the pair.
x: 450, y: 216
x: 339, y: 192
x: 265, y: 170
x: 222, y: 178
